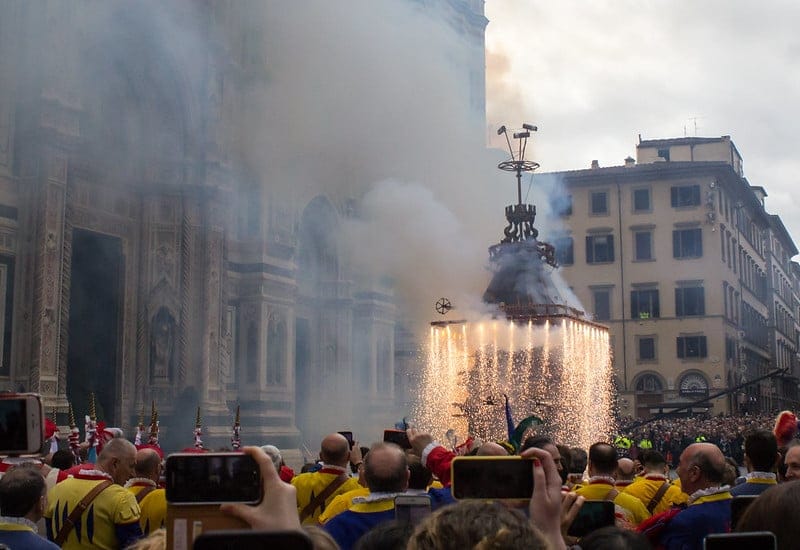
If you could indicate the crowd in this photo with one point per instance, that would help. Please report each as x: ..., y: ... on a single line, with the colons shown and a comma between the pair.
x: 347, y: 498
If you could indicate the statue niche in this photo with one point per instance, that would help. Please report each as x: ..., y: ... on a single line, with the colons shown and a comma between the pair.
x: 162, y: 346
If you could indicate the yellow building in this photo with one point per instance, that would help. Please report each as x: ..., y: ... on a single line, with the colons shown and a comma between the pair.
x: 676, y: 253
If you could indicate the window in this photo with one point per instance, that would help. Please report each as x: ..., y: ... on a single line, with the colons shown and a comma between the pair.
x: 664, y: 154
x: 599, y: 249
x: 690, y: 301
x: 602, y: 304
x: 562, y: 205
x: 647, y: 348
x: 685, y: 195
x: 641, y: 200
x: 564, y: 251
x: 649, y: 383
x: 643, y: 243
x: 687, y: 243
x: 644, y: 303
x: 691, y: 347
x: 599, y: 203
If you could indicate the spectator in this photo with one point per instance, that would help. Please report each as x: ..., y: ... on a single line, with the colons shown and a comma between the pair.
x: 151, y: 498
x: 624, y: 474
x: 274, y: 454
x: 386, y: 472
x: 701, y: 469
x: 614, y: 538
x: 63, y: 460
x: 602, y: 465
x: 653, y: 488
x: 23, y: 498
x: 760, y: 458
x: 315, y: 490
x: 792, y: 461
x: 775, y: 510
x: 392, y: 535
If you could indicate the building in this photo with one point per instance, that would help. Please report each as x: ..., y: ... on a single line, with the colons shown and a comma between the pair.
x: 143, y: 258
x: 677, y: 254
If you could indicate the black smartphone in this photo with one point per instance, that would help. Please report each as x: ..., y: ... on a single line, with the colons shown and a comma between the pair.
x: 761, y: 540
x: 593, y: 515
x: 398, y: 437
x: 738, y: 506
x: 21, y: 423
x: 412, y: 508
x: 253, y: 540
x: 492, y: 477
x: 212, y: 478
x: 349, y: 437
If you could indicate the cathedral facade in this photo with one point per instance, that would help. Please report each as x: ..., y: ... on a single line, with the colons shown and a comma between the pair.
x: 142, y: 259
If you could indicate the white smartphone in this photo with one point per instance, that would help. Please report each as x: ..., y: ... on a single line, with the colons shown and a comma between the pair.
x: 412, y: 508
x: 21, y: 423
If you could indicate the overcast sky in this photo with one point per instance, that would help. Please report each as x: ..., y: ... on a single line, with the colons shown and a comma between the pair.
x: 593, y: 75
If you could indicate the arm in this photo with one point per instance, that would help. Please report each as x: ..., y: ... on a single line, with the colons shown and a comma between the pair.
x: 433, y: 456
x: 127, y: 533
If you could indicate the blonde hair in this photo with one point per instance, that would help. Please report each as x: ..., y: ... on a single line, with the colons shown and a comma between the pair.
x: 156, y: 540
x: 320, y: 538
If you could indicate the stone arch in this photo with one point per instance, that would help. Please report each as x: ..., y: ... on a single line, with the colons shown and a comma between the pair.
x: 649, y: 382
x: 693, y: 383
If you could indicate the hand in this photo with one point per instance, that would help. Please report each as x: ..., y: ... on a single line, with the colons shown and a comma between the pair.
x: 418, y: 440
x: 277, y: 510
x: 571, y: 503
x: 545, y: 506
x: 355, y: 454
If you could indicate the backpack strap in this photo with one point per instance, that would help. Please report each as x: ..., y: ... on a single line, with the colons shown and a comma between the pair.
x: 143, y: 493
x: 657, y: 497
x: 320, y: 499
x: 77, y: 512
x: 611, y: 495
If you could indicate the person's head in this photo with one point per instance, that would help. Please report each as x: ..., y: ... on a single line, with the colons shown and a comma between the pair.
x: 791, y: 461
x: 478, y: 525
x: 760, y: 451
x: 546, y: 444
x: 731, y: 471
x: 578, y: 460
x: 654, y: 462
x: 62, y: 459
x: 775, y: 510
x: 156, y: 540
x: 701, y: 465
x: 614, y: 538
x: 118, y: 458
x: 392, y: 535
x: 386, y: 469
x: 320, y: 539
x: 490, y: 448
x: 602, y: 459
x: 420, y: 477
x: 566, y: 462
x: 335, y: 450
x: 274, y: 455
x: 23, y: 493
x: 148, y: 464
x: 625, y: 470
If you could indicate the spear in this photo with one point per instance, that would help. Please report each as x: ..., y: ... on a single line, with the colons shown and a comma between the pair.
x: 236, y: 439
x: 198, y: 431
x: 153, y: 439
x: 74, y: 436
x: 91, y: 429
x: 139, y: 429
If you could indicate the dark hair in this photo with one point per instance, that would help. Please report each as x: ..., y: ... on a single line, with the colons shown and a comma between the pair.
x: 420, y: 476
x: 536, y: 441
x: 388, y: 476
x: 566, y: 461
x: 392, y: 535
x: 653, y: 459
x: 578, y: 461
x: 614, y: 538
x: 63, y: 459
x: 775, y: 510
x: 761, y: 447
x: 603, y: 457
x: 20, y: 490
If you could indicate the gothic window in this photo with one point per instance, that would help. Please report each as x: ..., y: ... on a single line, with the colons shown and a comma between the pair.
x: 276, y: 351
x: 384, y: 366
x: 252, y: 353
x: 649, y: 383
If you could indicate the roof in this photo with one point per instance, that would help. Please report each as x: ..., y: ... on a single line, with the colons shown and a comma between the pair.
x: 680, y: 141
x: 777, y: 224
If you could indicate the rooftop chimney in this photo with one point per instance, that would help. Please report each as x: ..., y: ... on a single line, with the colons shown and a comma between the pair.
x: 595, y: 164
x: 630, y: 161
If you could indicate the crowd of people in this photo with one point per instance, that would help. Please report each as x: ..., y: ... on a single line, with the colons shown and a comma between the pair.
x: 347, y: 498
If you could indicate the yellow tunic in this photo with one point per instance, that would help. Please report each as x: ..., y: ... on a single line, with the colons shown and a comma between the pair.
x: 96, y: 528
x: 632, y: 508
x: 153, y: 506
x: 311, y: 484
x: 645, y: 488
x: 342, y: 503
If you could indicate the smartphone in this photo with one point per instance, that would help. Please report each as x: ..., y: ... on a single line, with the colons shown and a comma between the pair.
x: 738, y: 506
x: 398, y: 437
x: 412, y: 508
x: 349, y: 437
x: 253, y: 540
x: 492, y: 477
x: 21, y: 423
x: 762, y: 540
x: 212, y: 478
x: 593, y: 515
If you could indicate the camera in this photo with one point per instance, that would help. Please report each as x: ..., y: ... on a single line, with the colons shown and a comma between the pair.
x: 21, y: 423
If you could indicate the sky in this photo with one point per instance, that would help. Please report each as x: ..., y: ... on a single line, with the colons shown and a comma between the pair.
x: 593, y: 76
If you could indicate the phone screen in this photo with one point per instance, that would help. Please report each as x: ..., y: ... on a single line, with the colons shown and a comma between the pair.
x: 13, y: 425
x: 593, y: 515
x: 412, y: 508
x: 252, y: 540
x: 398, y: 437
x: 212, y: 478
x: 492, y: 477
x: 349, y: 437
x: 762, y: 540
x: 738, y: 506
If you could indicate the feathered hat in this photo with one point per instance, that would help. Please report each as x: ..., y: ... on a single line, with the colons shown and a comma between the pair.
x: 785, y: 428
